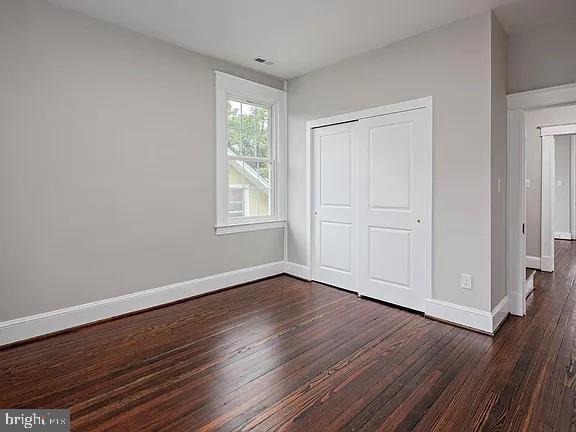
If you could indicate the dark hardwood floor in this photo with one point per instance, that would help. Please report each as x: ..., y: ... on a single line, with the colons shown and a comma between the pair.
x: 283, y: 354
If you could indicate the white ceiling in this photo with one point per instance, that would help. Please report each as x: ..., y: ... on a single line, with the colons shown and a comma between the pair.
x: 298, y: 35
x: 520, y: 16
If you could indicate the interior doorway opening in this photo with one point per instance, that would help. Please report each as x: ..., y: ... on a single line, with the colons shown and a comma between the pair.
x: 553, y: 188
x: 535, y: 120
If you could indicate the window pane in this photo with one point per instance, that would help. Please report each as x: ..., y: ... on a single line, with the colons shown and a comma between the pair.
x: 234, y: 127
x: 264, y: 174
x: 252, y: 198
x: 248, y: 123
x: 255, y: 135
x: 235, y: 201
x: 264, y: 204
x: 235, y: 172
x: 250, y: 175
x: 263, y: 132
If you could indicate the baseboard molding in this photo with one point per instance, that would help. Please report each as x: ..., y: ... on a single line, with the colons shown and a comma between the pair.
x: 21, y: 329
x: 50, y: 322
x: 533, y: 262
x: 499, y: 314
x: 476, y: 319
x: 563, y: 236
x: 298, y: 270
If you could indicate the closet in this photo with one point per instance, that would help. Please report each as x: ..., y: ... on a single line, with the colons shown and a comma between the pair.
x: 371, y: 203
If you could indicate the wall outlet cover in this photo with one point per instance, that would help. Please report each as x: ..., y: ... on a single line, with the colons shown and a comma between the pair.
x: 466, y: 281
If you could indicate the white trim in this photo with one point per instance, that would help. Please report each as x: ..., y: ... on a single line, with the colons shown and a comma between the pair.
x: 410, y: 105
x: 516, y: 209
x: 558, y: 95
x: 249, y: 226
x: 547, y: 207
x: 547, y: 263
x: 49, y: 322
x: 422, y: 103
x: 573, y: 187
x: 462, y: 315
x: 529, y: 285
x: 285, y: 87
x: 517, y: 105
x: 499, y: 314
x: 563, y: 235
x: 230, y: 85
x: 487, y: 322
x: 564, y: 129
x: 533, y: 263
x: 298, y: 270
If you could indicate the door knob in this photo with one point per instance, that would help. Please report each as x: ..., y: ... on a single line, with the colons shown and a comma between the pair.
x: 418, y: 220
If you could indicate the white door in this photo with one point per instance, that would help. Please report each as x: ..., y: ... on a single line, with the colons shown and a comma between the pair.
x: 394, y: 189
x: 334, y: 189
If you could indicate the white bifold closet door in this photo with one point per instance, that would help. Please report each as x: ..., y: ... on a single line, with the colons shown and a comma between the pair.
x: 393, y: 184
x: 371, y: 227
x: 335, y: 205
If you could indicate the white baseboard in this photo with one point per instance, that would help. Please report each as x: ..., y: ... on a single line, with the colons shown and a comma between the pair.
x: 49, y: 322
x: 298, y: 270
x: 533, y: 262
x: 499, y: 314
x: 486, y: 322
x: 563, y: 235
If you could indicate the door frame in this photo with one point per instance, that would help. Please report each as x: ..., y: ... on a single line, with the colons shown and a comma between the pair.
x: 425, y: 103
x: 518, y: 106
x: 573, y: 187
x: 548, y: 136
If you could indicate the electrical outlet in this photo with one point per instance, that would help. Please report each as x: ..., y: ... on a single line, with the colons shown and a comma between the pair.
x: 466, y: 281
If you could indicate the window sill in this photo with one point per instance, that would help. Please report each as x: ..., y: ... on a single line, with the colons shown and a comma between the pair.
x: 249, y: 226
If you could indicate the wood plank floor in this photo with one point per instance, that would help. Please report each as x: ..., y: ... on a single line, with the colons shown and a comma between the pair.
x: 284, y: 354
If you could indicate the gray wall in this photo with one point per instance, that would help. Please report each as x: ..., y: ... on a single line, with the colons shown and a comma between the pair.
x: 498, y: 161
x: 535, y: 119
x: 107, y: 163
x: 452, y: 64
x: 562, y: 192
x: 543, y: 57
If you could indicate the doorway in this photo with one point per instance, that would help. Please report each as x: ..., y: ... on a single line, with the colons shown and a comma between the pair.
x: 553, y: 188
x: 371, y: 202
x: 521, y: 107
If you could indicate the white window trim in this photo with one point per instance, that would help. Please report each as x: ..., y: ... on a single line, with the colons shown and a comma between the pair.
x: 232, y: 86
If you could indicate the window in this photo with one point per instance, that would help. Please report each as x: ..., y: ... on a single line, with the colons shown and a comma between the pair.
x: 251, y: 162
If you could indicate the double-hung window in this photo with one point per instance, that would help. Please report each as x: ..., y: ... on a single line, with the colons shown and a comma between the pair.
x: 251, y: 155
